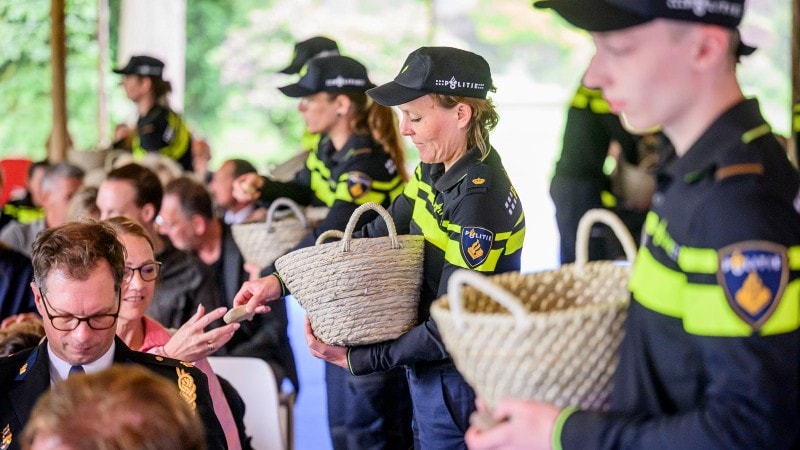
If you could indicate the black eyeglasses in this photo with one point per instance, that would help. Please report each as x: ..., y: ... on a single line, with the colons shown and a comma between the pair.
x: 70, y: 322
x: 148, y: 272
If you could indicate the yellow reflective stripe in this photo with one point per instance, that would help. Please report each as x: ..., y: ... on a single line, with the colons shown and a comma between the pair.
x: 655, y: 286
x: 708, y: 313
x: 650, y: 223
x: 180, y: 142
x: 23, y: 214
x: 755, y: 133
x: 599, y: 106
x: 558, y: 428
x: 698, y: 260
x: 514, y: 243
x: 793, y: 254
x: 608, y: 199
x: 309, y: 141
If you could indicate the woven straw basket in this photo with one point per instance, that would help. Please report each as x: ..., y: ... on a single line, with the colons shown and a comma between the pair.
x: 262, y: 242
x: 551, y: 336
x: 357, y: 291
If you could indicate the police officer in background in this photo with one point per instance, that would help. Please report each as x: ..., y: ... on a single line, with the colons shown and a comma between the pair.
x: 360, y: 158
x: 461, y: 199
x: 580, y: 182
x: 712, y: 340
x: 158, y: 129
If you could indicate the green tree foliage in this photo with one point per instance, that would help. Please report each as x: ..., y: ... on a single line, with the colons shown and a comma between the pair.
x: 25, y: 75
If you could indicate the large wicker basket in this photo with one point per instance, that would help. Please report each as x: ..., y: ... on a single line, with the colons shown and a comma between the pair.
x: 262, y: 242
x: 551, y: 336
x: 357, y: 291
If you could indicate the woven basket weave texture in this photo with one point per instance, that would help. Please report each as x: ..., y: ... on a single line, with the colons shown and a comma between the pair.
x: 555, y: 340
x: 263, y: 242
x: 357, y: 291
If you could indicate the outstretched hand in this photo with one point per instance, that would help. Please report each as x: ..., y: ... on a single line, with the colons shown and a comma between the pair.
x: 247, y: 187
x: 334, y: 354
x: 256, y: 293
x: 191, y: 342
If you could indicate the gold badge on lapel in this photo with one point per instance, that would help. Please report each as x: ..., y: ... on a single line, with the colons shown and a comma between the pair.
x: 188, y: 389
x: 23, y: 369
x: 7, y: 437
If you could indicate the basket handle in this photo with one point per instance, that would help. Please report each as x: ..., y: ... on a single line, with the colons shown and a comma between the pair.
x: 330, y: 234
x: 284, y: 201
x: 351, y: 224
x: 462, y: 277
x: 607, y: 217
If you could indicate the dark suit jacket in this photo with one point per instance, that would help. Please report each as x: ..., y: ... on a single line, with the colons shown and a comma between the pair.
x: 266, y: 336
x: 26, y: 375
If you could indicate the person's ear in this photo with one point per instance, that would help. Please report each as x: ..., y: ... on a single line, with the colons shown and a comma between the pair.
x: 342, y: 104
x: 37, y: 299
x: 148, y: 213
x: 199, y: 224
x: 710, y: 45
x: 463, y: 114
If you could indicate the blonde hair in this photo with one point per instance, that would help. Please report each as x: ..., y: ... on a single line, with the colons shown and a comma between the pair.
x: 483, y: 120
x: 119, y: 408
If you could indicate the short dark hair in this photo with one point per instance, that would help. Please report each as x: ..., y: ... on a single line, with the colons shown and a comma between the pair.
x: 241, y: 167
x: 145, y: 183
x: 76, y: 248
x: 192, y: 196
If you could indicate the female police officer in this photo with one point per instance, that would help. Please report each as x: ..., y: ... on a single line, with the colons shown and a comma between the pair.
x: 359, y: 159
x: 461, y: 200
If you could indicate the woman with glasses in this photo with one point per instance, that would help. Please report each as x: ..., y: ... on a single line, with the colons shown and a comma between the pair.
x: 189, y: 343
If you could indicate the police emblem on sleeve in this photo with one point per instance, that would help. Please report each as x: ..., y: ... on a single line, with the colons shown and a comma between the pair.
x: 753, y: 276
x: 475, y: 245
x: 358, y: 184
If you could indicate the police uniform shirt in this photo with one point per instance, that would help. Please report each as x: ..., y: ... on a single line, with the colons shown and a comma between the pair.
x: 360, y: 172
x: 471, y: 218
x: 162, y: 130
x: 710, y: 354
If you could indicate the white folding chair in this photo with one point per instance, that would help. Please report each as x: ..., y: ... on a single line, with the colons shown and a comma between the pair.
x: 255, y: 381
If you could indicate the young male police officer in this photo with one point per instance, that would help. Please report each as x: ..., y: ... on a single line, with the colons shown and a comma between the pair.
x: 710, y: 355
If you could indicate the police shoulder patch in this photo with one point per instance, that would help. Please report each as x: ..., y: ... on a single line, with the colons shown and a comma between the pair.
x: 476, y: 243
x: 358, y: 184
x: 478, y: 179
x: 753, y: 275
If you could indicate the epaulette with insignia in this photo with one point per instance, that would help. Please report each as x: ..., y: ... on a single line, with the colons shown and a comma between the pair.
x: 6, y: 438
x: 360, y: 151
x: 187, y: 387
x: 478, y: 179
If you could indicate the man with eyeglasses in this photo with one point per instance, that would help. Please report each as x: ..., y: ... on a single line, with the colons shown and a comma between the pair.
x: 79, y: 270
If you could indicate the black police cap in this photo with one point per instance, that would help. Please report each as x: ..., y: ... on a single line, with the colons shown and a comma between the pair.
x: 440, y: 70
x: 330, y: 74
x: 310, y: 48
x: 142, y: 65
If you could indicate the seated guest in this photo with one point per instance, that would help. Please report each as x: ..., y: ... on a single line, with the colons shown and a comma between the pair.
x: 187, y: 218
x: 232, y: 210
x: 78, y: 275
x: 185, y: 283
x: 59, y: 184
x: 120, y: 407
x: 190, y: 343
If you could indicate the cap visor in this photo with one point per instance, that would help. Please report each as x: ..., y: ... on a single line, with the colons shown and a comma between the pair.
x: 295, y: 90
x: 393, y: 94
x: 592, y: 15
x: 291, y: 69
x: 121, y: 71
